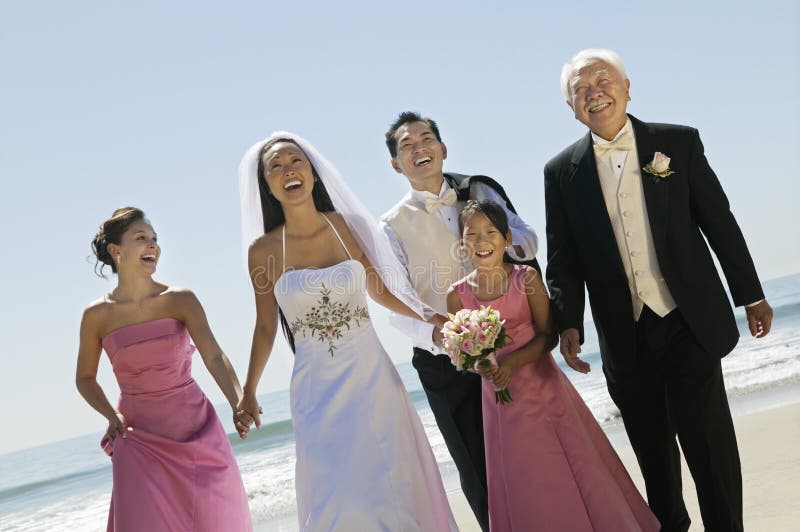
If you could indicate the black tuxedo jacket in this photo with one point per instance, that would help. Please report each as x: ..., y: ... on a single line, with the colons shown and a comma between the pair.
x: 461, y: 183
x: 681, y: 208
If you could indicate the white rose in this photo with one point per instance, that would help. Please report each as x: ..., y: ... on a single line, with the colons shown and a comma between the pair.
x: 660, y: 163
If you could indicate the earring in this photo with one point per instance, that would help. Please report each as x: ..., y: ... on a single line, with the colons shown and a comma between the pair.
x: 119, y: 259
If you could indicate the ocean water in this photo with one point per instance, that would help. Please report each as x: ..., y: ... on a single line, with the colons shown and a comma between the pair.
x: 67, y: 485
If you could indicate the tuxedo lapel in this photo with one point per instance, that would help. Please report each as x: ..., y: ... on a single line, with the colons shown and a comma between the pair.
x: 656, y: 194
x: 585, y: 183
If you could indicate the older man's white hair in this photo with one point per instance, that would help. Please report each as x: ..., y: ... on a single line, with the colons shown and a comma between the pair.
x: 583, y: 58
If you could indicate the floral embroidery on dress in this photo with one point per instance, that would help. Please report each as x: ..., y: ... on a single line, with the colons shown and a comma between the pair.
x: 327, y: 320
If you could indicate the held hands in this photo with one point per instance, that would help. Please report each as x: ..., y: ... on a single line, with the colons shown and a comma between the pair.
x: 570, y: 347
x: 116, y: 425
x: 759, y: 319
x: 245, y: 414
x: 242, y: 421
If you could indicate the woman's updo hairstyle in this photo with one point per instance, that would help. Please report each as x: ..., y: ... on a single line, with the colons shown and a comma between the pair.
x: 111, y: 233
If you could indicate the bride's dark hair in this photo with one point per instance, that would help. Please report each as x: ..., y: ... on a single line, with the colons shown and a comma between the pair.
x: 273, y: 212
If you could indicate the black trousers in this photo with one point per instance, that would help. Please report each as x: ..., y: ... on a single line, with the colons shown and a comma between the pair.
x: 455, y: 399
x: 676, y: 387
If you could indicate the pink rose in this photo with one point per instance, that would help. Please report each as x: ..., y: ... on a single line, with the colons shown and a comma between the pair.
x: 468, y: 346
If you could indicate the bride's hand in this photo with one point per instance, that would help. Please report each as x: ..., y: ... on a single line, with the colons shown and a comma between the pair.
x: 116, y: 425
x: 242, y: 421
x: 248, y: 411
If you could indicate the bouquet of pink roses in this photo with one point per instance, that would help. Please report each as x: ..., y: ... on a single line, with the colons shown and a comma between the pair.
x: 472, y: 338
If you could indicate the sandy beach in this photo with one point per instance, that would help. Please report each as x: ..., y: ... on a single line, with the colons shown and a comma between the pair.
x: 769, y: 444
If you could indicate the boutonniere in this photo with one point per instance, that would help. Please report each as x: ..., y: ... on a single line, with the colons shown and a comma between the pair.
x: 658, y: 167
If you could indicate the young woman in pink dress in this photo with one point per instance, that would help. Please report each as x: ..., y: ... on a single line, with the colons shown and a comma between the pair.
x: 549, y: 465
x: 173, y: 466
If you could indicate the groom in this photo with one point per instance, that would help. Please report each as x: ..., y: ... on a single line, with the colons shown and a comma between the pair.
x: 628, y: 206
x: 423, y: 231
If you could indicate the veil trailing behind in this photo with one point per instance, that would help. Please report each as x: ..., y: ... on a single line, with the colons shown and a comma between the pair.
x: 361, y: 223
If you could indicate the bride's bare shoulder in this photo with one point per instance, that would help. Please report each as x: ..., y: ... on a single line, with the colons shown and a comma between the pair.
x: 266, y: 244
x: 344, y: 231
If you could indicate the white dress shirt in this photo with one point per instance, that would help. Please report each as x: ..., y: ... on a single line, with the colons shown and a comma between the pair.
x: 616, y: 158
x: 522, y: 235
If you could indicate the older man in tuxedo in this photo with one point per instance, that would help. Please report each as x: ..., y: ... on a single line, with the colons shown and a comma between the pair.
x: 628, y: 206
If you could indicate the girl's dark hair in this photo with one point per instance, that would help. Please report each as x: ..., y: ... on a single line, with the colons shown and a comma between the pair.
x: 111, y: 233
x: 273, y: 212
x: 493, y: 211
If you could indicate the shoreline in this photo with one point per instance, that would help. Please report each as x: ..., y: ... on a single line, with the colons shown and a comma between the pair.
x: 768, y: 431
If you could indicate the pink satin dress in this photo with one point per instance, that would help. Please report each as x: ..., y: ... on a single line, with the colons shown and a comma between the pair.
x: 175, y: 470
x: 549, y: 465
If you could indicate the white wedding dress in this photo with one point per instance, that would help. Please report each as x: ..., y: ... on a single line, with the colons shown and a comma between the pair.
x: 364, y: 463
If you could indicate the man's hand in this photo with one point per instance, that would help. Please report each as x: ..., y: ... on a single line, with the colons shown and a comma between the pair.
x: 759, y: 319
x: 570, y: 347
x: 437, y: 337
x: 438, y: 322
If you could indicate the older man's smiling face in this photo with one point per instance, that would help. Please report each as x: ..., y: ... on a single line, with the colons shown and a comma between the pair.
x: 599, y: 97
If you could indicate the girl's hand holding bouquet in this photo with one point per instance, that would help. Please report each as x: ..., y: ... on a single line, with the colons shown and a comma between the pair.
x: 472, y: 339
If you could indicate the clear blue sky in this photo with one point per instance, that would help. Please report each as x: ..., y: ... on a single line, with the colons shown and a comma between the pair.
x: 154, y: 103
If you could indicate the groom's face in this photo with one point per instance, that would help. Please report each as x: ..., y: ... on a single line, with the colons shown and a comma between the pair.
x: 599, y: 98
x: 419, y: 154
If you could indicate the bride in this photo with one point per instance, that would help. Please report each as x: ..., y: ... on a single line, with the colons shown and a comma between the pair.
x: 363, y: 459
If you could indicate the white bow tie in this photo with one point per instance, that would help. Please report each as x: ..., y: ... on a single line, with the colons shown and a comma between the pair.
x: 624, y: 143
x: 448, y: 198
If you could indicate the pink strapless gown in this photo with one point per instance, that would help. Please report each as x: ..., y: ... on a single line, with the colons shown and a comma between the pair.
x: 175, y: 471
x: 549, y: 465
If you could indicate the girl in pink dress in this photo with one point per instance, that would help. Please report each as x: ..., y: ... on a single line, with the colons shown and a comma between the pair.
x: 549, y: 465
x: 173, y: 466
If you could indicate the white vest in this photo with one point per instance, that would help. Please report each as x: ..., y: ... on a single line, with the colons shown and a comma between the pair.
x: 435, y: 260
x: 627, y: 211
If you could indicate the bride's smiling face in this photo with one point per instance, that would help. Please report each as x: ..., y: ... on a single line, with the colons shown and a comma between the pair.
x: 288, y: 173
